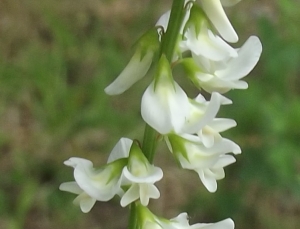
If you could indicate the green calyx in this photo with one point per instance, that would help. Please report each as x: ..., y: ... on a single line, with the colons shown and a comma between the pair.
x: 144, y: 215
x: 197, y: 19
x: 137, y: 162
x: 115, y: 168
x: 163, y: 73
x: 148, y: 42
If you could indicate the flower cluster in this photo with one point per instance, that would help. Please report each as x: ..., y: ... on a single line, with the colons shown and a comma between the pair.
x: 127, y: 174
x: 189, y: 126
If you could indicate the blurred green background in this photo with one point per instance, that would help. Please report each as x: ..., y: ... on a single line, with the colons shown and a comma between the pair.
x: 57, y: 56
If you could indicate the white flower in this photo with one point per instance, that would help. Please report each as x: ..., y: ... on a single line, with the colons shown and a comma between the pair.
x: 224, y: 75
x: 210, y: 133
x: 216, y: 14
x: 102, y: 184
x: 85, y: 201
x: 224, y: 224
x: 90, y: 184
x: 139, y: 64
x: 202, y: 112
x: 206, y: 44
x: 147, y: 220
x: 207, y: 162
x: 165, y: 105
x: 202, y: 119
x: 181, y: 222
x: 136, y: 69
x: 140, y: 176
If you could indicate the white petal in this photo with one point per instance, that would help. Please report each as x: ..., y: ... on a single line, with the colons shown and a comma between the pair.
x: 239, y: 84
x: 203, y: 63
x: 121, y: 150
x: 155, y: 174
x: 198, y: 161
x: 182, y: 219
x: 85, y: 202
x: 224, y: 100
x: 134, y: 71
x: 148, y: 191
x: 131, y: 195
x: 166, y: 108
x: 224, y: 160
x: 204, y: 77
x: 76, y: 161
x: 224, y: 224
x: 208, y: 139
x: 209, y: 182
x: 248, y: 56
x: 226, y: 146
x: 217, y: 84
x: 71, y: 187
x: 101, y: 185
x: 215, y: 12
x: 164, y: 20
x: 218, y: 173
x: 102, y: 193
x: 200, y: 99
x: 208, y: 45
x: 210, y: 113
x: 222, y: 124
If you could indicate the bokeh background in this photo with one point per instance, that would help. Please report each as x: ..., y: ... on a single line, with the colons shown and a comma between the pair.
x: 57, y: 56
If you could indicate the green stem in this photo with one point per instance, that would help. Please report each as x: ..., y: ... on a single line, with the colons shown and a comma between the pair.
x: 149, y: 143
x: 169, y: 39
x: 168, y: 45
x: 132, y: 217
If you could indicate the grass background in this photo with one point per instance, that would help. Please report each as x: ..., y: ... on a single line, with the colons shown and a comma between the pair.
x: 56, y: 57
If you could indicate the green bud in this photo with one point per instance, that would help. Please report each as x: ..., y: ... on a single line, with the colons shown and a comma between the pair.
x: 197, y: 19
x: 148, y: 42
x: 115, y: 168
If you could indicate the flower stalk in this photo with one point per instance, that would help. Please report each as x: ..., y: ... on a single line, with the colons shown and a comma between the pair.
x: 171, y: 35
x: 167, y: 48
x: 190, y: 127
